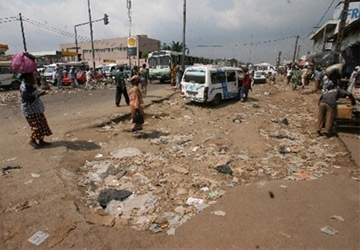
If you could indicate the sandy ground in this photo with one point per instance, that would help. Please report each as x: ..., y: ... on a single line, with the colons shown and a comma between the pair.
x: 272, y: 200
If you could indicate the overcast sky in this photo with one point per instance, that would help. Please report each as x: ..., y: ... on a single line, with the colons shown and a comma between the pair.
x: 234, y: 24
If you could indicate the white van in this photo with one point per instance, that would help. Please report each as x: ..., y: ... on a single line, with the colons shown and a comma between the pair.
x: 207, y: 83
x: 8, y: 79
x: 110, y: 69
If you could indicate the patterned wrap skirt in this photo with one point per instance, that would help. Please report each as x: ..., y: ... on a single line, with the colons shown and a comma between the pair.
x: 39, y: 126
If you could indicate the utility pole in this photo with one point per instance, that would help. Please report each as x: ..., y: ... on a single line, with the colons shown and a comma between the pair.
x: 278, y: 61
x: 128, y: 5
x: 342, y: 26
x: 296, y: 47
x: 298, y: 53
x: 183, y: 39
x: 92, y: 38
x: 22, y: 32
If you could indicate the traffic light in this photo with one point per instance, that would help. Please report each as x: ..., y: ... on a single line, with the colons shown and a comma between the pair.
x: 106, y: 19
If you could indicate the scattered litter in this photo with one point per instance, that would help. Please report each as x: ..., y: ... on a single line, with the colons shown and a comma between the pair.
x: 204, y: 189
x: 219, y: 213
x: 7, y: 170
x: 329, y: 230
x: 108, y: 195
x: 38, y: 238
x: 284, y: 150
x: 304, y: 175
x: 284, y: 234
x: 98, y: 156
x: 194, y: 201
x: 155, y: 228
x: 60, y: 234
x: 35, y: 175
x: 171, y: 231
x: 10, y: 159
x: 216, y: 193
x: 125, y: 152
x: 283, y: 187
x: 337, y: 217
x: 224, y: 169
x: 355, y: 178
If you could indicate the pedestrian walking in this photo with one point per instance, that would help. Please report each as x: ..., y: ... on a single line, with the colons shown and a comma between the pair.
x: 74, y: 82
x: 295, y: 77
x: 354, y: 79
x: 327, y: 108
x: 173, y: 70
x: 317, y: 78
x: 144, y: 79
x: 245, y: 87
x: 59, y: 77
x: 178, y: 78
x: 135, y: 71
x: 120, y: 77
x: 135, y: 104
x: 88, y: 77
x: 32, y: 108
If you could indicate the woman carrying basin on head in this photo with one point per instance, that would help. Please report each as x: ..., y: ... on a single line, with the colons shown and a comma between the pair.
x: 33, y: 109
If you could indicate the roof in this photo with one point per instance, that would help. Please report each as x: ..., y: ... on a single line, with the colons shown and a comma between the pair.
x: 320, y: 30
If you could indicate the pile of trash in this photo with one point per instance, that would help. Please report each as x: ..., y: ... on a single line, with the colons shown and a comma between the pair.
x: 195, y: 164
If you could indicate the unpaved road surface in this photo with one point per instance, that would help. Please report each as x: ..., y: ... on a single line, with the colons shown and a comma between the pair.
x: 286, y: 184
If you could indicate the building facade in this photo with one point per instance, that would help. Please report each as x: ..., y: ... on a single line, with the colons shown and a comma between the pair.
x: 114, y: 50
x: 325, y: 37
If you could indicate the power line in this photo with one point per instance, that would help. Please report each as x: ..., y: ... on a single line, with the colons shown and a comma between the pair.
x: 317, y: 25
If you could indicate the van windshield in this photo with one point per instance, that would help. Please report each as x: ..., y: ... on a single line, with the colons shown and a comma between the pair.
x: 195, y: 77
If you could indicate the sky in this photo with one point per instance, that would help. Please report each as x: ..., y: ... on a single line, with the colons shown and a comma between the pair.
x: 214, y: 28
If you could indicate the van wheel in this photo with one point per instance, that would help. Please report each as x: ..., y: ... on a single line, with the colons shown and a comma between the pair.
x: 217, y: 100
x: 15, y: 85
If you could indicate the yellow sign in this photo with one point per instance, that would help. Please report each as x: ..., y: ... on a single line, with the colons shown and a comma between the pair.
x: 68, y: 53
x: 131, y: 42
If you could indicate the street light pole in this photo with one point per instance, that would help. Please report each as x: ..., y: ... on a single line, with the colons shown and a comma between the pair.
x: 183, y: 39
x: 91, y: 35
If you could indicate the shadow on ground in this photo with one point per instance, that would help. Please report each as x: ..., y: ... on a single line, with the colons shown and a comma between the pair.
x: 75, y: 145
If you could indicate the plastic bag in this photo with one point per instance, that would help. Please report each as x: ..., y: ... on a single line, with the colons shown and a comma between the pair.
x: 23, y: 63
x: 138, y: 118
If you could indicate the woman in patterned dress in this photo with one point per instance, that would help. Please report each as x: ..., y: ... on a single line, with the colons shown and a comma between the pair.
x: 33, y: 109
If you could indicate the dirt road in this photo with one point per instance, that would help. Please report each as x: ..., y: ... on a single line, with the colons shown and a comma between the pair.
x: 286, y: 183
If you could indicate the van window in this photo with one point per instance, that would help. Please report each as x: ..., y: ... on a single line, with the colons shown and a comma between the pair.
x: 218, y: 77
x: 231, y: 76
x: 5, y: 70
x: 195, y: 77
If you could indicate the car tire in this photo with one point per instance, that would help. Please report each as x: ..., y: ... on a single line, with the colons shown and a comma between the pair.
x: 216, y: 101
x: 15, y: 85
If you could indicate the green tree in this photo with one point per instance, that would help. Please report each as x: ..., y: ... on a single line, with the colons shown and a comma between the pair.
x: 174, y: 46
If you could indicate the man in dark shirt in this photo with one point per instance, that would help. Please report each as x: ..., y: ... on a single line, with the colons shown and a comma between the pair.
x: 121, y: 86
x: 327, y: 108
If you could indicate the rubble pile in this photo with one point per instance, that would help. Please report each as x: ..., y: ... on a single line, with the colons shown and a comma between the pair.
x: 188, y: 159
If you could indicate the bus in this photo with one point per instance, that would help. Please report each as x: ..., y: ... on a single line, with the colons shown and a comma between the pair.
x: 160, y: 63
x: 8, y: 79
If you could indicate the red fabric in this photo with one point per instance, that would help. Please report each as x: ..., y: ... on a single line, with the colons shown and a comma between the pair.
x: 246, y: 81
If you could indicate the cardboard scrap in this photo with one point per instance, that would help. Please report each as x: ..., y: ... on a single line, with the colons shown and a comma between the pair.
x: 60, y: 234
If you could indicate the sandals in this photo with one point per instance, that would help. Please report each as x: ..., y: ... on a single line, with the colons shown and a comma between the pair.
x: 34, y: 144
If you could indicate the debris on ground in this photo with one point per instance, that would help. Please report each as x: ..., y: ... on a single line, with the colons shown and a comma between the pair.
x: 38, y: 238
x: 329, y: 230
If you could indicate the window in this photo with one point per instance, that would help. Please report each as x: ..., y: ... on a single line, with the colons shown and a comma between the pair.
x: 231, y: 76
x: 195, y: 77
x: 217, y: 77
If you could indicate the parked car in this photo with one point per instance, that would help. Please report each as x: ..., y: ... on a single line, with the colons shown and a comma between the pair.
x: 260, y: 76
